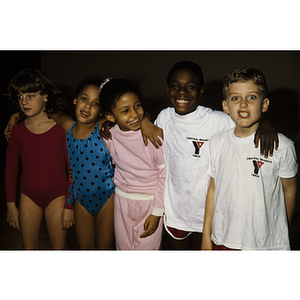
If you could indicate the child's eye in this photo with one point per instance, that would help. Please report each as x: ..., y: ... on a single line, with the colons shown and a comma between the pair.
x: 125, y: 111
x: 174, y: 86
x: 97, y: 104
x: 252, y: 97
x: 83, y: 98
x: 234, y: 98
x: 191, y: 87
x: 19, y: 97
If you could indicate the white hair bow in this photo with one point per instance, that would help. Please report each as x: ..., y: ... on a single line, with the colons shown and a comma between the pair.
x: 106, y: 80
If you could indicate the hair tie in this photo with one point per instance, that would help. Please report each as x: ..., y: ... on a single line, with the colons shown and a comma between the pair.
x: 106, y: 80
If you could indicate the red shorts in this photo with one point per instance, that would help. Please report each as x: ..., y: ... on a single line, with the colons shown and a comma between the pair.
x: 221, y: 247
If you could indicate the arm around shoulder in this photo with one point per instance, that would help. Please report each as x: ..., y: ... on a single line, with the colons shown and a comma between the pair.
x: 63, y: 120
x: 289, y: 189
x: 151, y: 132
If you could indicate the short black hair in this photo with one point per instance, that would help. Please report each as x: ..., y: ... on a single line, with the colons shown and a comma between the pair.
x: 187, y: 65
x: 113, y: 90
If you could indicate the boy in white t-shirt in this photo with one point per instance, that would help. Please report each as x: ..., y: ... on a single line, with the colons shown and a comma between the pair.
x: 251, y: 198
x: 187, y: 129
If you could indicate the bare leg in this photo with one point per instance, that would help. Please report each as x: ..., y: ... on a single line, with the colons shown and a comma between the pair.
x: 53, y: 216
x: 105, y: 239
x: 84, y: 227
x: 31, y: 216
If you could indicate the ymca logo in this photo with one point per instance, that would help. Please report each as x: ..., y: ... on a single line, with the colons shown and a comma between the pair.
x: 197, y: 143
x: 257, y: 165
x: 197, y: 146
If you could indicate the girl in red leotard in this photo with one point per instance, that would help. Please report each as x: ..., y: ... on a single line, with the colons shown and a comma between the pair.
x: 39, y: 143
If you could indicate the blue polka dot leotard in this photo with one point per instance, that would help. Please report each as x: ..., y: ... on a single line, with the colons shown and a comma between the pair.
x: 92, y: 171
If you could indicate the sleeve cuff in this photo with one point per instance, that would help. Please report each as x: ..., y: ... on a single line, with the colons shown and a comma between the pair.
x: 158, y: 211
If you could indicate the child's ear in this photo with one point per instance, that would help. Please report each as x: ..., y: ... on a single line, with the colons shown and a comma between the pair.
x: 201, y: 93
x: 109, y: 117
x: 225, y: 107
x: 265, y: 105
x: 75, y: 101
x: 45, y: 97
x: 168, y: 90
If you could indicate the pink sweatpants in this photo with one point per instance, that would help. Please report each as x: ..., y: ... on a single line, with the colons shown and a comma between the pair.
x: 129, y: 219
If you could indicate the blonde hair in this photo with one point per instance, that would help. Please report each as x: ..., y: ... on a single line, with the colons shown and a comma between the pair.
x: 243, y: 75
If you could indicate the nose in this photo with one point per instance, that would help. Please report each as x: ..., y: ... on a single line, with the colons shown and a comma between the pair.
x: 244, y: 103
x: 182, y: 90
x: 87, y: 105
x: 134, y: 113
x: 24, y: 101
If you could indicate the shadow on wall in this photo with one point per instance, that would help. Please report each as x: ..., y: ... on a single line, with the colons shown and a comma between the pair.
x: 212, y: 95
x: 283, y: 112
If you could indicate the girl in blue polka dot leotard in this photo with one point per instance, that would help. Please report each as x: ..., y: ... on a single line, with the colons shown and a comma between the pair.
x: 92, y: 171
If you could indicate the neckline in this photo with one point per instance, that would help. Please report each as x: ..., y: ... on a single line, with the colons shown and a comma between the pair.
x: 71, y: 128
x: 38, y: 134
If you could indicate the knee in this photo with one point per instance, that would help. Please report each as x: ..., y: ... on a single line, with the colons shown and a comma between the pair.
x: 29, y: 246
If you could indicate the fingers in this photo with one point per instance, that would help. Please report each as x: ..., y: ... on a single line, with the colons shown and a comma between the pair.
x: 267, y: 144
x: 67, y: 224
x: 14, y: 224
x: 160, y: 133
x: 105, y: 134
x: 67, y: 218
x: 156, y: 142
x: 149, y: 227
x: 147, y: 232
x: 7, y: 132
x: 145, y: 140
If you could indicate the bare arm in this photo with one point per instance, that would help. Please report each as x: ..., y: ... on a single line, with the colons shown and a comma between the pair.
x: 151, y: 132
x: 63, y: 120
x: 208, y: 217
x: 289, y: 189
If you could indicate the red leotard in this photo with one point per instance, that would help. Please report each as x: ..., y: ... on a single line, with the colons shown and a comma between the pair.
x: 43, y: 159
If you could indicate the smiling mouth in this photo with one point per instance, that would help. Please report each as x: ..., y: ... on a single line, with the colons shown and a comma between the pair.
x: 84, y: 114
x: 134, y: 122
x: 244, y: 114
x: 181, y: 101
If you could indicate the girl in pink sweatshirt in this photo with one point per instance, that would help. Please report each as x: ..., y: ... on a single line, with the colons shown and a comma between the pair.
x: 140, y: 171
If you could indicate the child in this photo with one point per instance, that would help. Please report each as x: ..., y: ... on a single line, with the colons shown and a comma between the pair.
x: 40, y: 145
x: 140, y: 170
x: 187, y: 129
x: 92, y: 171
x: 250, y: 197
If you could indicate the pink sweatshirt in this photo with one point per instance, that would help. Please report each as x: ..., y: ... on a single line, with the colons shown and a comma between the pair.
x: 139, y: 169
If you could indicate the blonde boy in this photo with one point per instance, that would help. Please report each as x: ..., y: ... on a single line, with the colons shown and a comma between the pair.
x: 250, y: 198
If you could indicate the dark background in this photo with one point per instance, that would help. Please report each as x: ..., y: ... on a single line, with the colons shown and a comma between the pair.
x: 150, y: 69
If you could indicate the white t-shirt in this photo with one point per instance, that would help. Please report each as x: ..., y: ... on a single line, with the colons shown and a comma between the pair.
x: 185, y: 148
x: 249, y: 201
